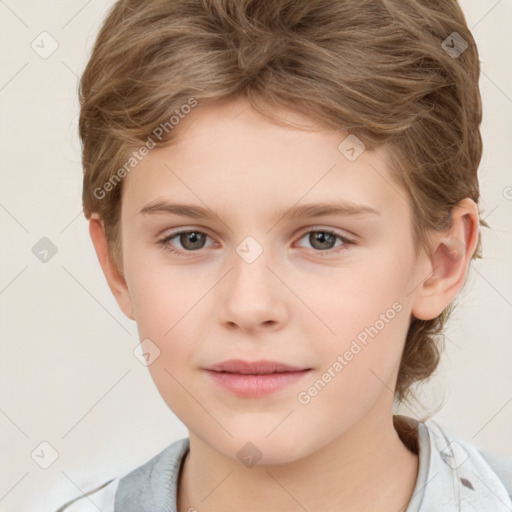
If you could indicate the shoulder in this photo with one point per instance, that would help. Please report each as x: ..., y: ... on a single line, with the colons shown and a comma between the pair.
x: 501, y: 466
x: 455, y: 450
x: 169, y: 457
x: 107, y: 496
x: 149, y: 487
x: 99, y: 498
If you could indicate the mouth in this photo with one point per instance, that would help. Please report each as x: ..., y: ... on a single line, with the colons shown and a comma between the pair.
x: 255, y: 379
x: 254, y: 367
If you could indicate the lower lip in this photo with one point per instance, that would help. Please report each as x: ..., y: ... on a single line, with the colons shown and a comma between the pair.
x: 256, y: 385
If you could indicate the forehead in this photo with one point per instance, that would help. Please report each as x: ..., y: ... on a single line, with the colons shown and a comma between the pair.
x: 227, y: 152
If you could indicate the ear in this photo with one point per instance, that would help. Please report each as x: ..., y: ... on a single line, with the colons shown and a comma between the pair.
x: 449, y: 261
x: 115, y: 279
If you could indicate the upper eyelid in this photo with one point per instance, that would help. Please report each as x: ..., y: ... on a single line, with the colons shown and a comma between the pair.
x: 302, y: 233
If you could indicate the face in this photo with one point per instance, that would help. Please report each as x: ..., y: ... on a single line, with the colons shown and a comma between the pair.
x: 247, y: 273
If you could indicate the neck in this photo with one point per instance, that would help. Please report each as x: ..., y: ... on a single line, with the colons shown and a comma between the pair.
x: 366, y: 468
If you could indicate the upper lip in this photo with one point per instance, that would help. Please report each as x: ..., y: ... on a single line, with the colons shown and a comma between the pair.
x: 254, y: 367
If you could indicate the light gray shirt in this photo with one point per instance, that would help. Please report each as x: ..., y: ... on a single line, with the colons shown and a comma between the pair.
x: 453, y: 476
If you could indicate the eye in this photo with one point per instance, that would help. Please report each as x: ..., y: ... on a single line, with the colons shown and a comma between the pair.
x: 191, y: 241
x: 323, y: 240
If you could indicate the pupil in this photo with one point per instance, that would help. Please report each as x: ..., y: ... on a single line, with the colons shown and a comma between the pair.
x: 191, y: 240
x: 325, y: 240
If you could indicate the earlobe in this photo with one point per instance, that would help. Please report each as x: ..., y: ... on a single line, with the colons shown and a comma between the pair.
x: 115, y: 279
x: 451, y: 255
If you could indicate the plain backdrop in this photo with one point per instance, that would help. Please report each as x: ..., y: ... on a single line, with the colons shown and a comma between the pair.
x: 68, y: 376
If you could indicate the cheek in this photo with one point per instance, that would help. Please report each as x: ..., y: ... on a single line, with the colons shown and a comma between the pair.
x: 367, y: 314
x: 359, y: 363
x: 348, y: 299
x: 162, y: 296
x: 167, y: 301
x: 165, y: 306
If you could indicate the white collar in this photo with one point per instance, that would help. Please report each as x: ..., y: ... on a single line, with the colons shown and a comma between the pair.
x: 452, y: 475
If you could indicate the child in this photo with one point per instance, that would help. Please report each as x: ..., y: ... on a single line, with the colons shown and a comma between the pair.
x: 283, y: 195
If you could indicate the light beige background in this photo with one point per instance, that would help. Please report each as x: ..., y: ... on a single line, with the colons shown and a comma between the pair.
x: 67, y: 372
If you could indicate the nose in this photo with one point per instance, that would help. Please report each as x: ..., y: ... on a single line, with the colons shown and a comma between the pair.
x: 252, y: 297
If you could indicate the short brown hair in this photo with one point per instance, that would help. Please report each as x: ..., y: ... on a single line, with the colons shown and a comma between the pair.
x: 378, y: 69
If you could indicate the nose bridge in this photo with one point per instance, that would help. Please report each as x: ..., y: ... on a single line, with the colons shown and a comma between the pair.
x: 251, y: 275
x: 251, y: 295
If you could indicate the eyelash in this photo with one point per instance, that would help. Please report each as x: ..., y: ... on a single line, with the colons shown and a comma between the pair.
x: 164, y: 243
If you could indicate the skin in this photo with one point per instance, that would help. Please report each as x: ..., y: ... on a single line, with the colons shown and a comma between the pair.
x: 294, y: 304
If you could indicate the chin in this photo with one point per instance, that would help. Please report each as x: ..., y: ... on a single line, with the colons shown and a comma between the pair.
x: 251, y: 447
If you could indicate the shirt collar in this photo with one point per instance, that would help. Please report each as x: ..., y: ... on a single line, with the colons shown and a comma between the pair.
x: 452, y: 475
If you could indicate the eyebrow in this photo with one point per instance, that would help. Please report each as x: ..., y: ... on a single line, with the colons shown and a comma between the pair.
x: 311, y: 210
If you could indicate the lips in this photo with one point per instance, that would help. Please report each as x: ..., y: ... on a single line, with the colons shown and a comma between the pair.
x: 254, y: 367
x: 255, y: 379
